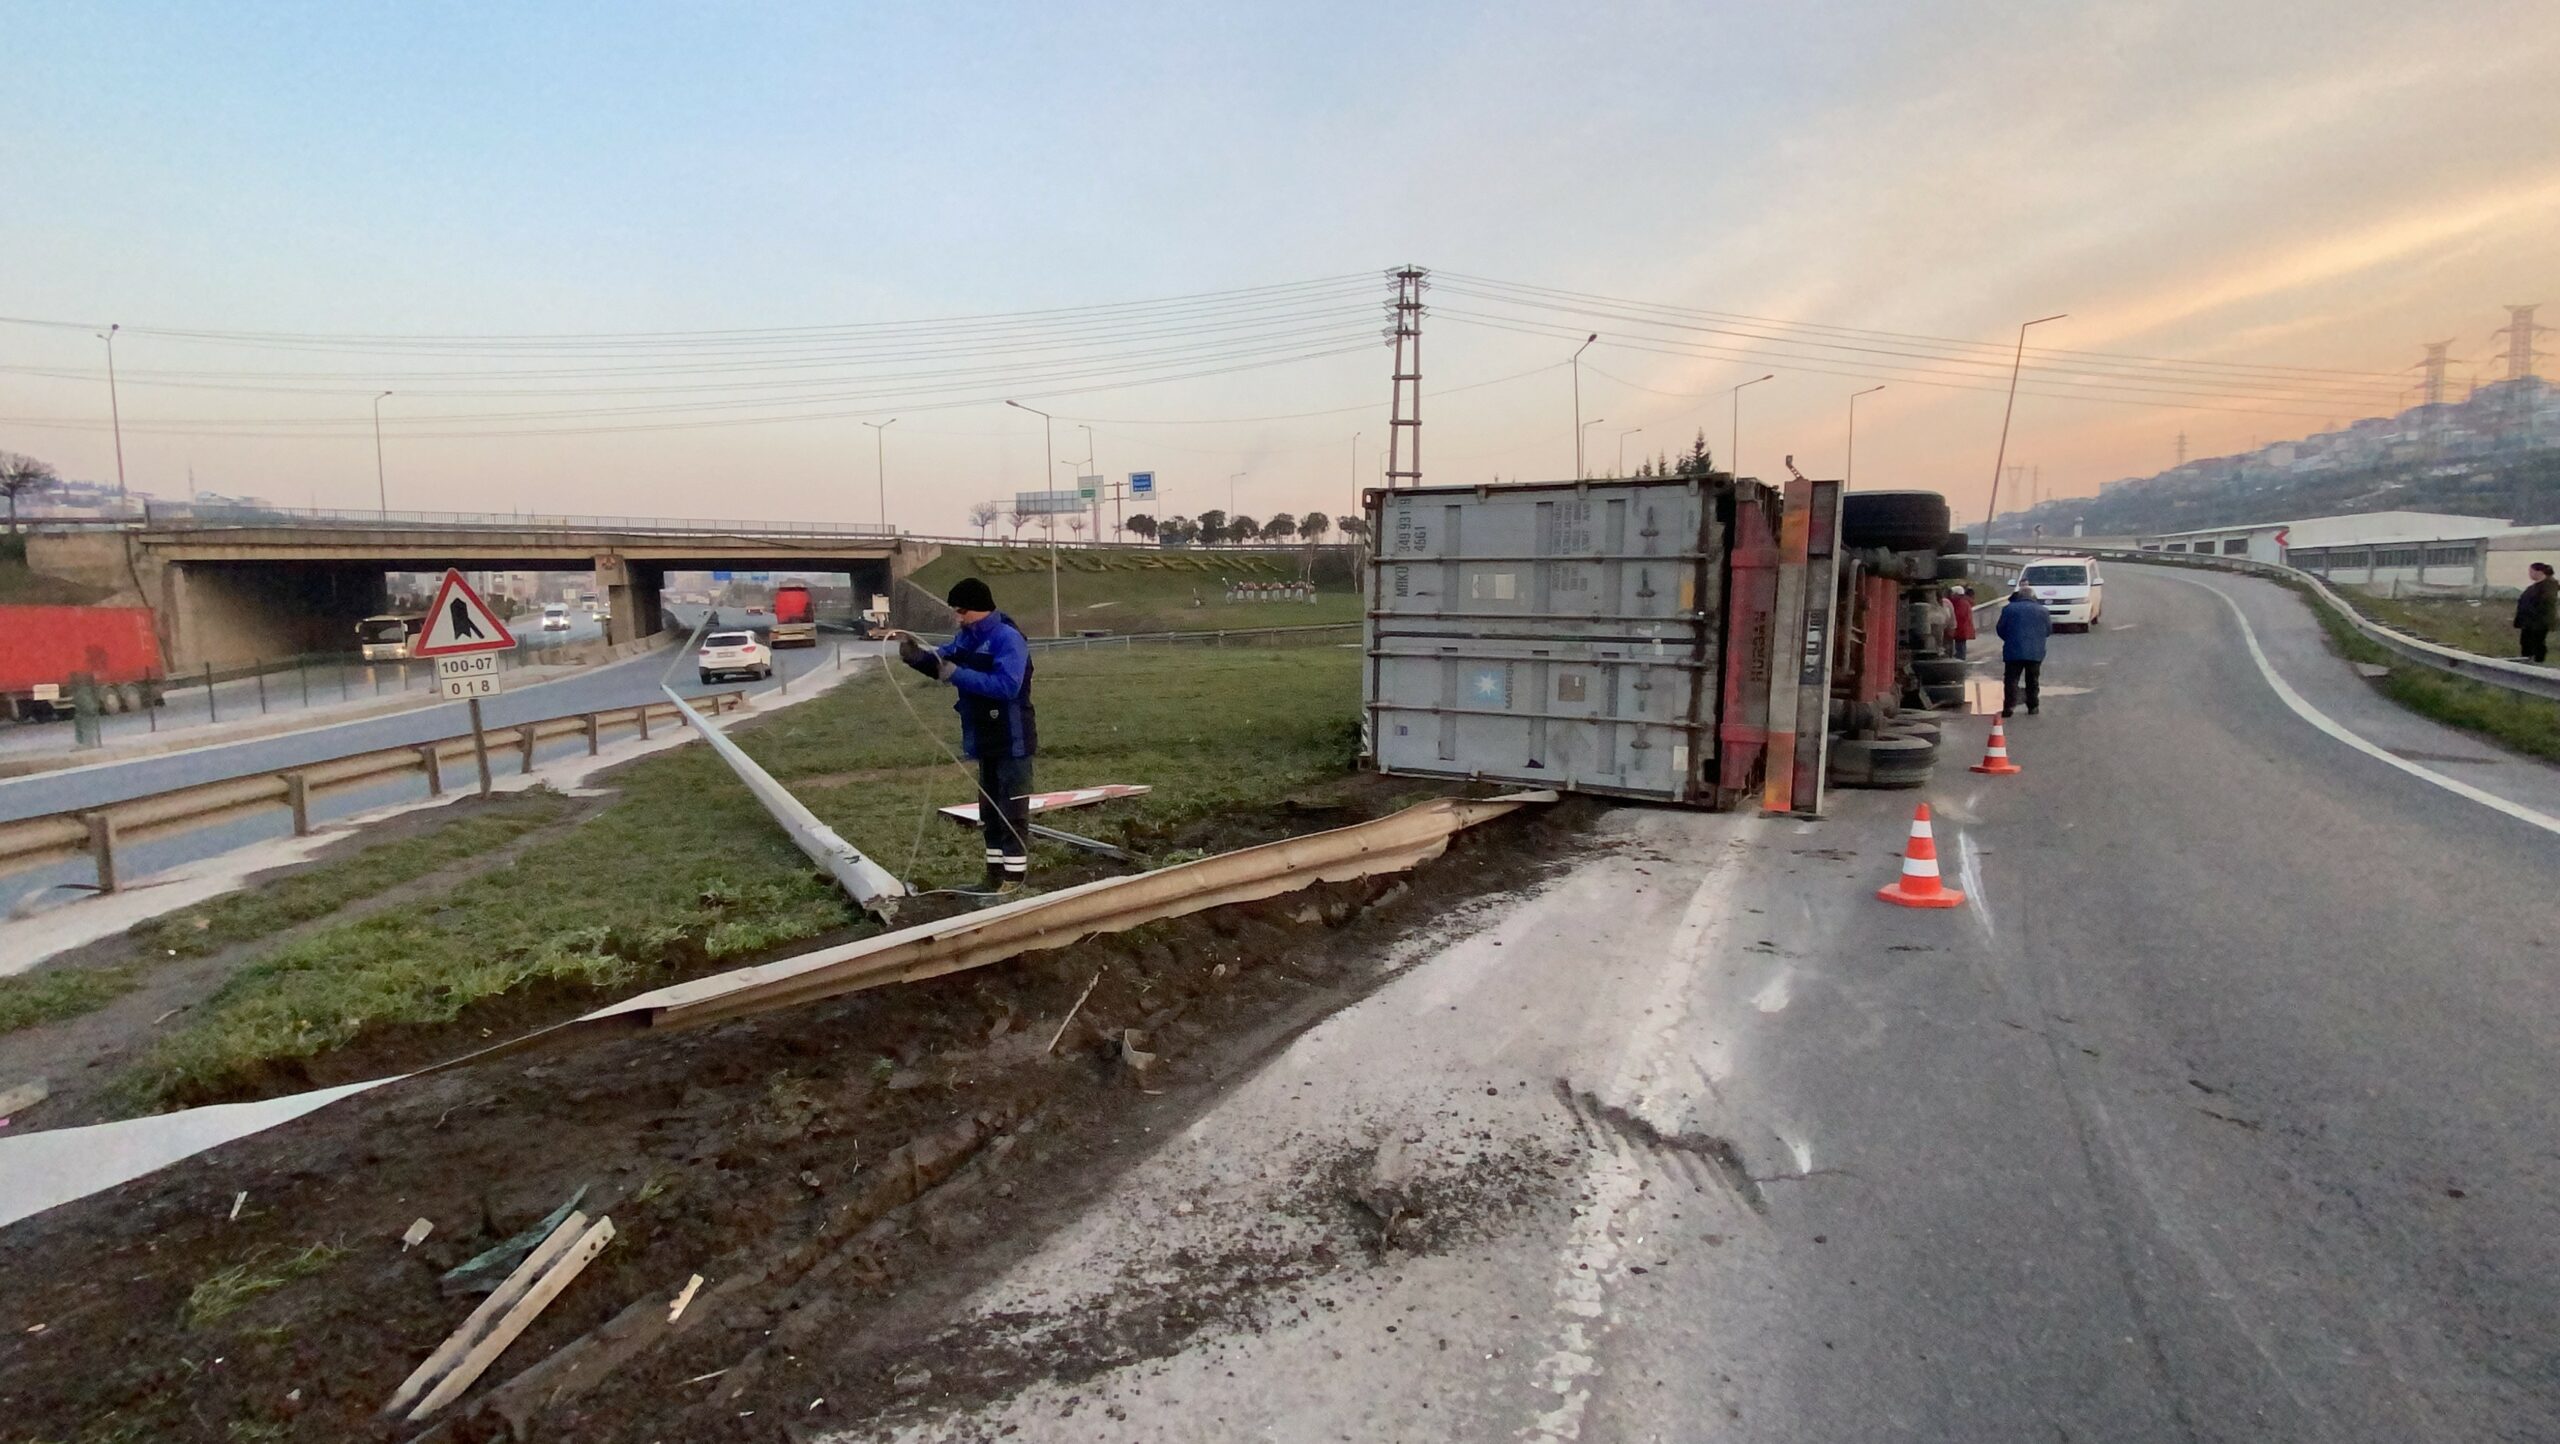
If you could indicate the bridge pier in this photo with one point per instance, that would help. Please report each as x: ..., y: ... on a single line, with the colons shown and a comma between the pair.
x: 630, y: 590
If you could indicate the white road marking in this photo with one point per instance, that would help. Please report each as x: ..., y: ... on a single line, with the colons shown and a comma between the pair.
x: 1969, y: 882
x: 1775, y: 994
x: 1588, y: 1263
x: 2322, y: 720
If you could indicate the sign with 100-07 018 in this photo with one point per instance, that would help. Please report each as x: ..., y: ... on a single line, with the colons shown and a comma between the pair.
x: 473, y: 674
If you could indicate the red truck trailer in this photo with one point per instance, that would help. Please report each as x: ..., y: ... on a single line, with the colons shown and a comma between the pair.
x: 795, y: 622
x: 43, y: 650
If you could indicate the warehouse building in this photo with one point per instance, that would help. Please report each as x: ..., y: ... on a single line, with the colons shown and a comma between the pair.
x: 2381, y: 550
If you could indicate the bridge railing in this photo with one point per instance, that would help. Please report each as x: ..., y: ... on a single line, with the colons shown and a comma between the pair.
x: 2522, y: 678
x: 213, y: 514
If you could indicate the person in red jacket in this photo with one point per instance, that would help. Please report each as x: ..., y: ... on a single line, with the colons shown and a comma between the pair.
x: 1960, y: 622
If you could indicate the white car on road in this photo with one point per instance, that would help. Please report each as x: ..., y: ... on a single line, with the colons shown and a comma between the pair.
x: 2070, y: 588
x: 733, y: 654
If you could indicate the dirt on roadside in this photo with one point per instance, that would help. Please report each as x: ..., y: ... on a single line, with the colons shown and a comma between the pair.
x: 830, y: 1171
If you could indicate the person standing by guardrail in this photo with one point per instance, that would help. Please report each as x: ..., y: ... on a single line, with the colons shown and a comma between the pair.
x: 2024, y: 626
x: 1959, y: 620
x: 2537, y: 612
x: 989, y: 663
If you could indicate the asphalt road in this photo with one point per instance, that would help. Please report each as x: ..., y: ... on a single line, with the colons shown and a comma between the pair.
x: 2223, y: 1111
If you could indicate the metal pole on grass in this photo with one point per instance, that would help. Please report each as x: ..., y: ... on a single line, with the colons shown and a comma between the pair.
x: 212, y: 709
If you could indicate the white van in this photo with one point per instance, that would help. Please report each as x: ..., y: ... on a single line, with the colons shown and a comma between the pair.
x: 555, y: 617
x: 2071, y: 588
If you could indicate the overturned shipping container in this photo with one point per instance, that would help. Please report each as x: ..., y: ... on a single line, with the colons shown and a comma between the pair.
x: 1582, y: 635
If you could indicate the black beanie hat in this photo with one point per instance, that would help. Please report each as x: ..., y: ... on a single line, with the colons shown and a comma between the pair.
x: 971, y: 595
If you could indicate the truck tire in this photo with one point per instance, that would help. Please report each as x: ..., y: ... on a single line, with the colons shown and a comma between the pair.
x: 1881, y: 761
x: 1946, y: 697
x: 1956, y: 541
x: 1954, y: 568
x: 1939, y: 671
x: 1903, y: 521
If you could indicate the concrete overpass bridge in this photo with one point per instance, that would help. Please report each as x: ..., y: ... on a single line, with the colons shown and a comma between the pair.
x: 239, y: 584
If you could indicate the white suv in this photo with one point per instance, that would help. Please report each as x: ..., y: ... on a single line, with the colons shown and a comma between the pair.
x: 733, y: 654
x: 2070, y: 588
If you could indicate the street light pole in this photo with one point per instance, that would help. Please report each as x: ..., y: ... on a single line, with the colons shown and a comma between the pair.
x: 1231, y: 494
x: 1578, y: 472
x: 115, y: 408
x: 1622, y: 446
x: 1733, y: 462
x: 2001, y: 457
x: 1585, y: 430
x: 1849, y: 473
x: 381, y: 487
x: 880, y: 461
x: 1048, y: 475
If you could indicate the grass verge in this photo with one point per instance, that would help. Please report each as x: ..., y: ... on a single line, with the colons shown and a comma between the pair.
x: 1136, y: 590
x: 467, y: 829
x: 33, y: 999
x: 2479, y: 627
x: 2530, y: 725
x: 684, y: 870
x: 476, y: 827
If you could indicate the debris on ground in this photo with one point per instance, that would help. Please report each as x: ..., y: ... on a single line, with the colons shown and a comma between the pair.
x: 695, y: 1142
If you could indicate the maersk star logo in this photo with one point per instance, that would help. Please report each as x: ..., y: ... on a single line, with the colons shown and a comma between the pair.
x: 1488, y: 686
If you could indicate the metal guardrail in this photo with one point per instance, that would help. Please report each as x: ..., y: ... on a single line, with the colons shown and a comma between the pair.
x: 2522, y: 678
x: 54, y: 837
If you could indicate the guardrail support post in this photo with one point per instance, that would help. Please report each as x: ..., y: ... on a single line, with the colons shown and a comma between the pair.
x: 480, y: 746
x: 102, y: 847
x: 641, y: 712
x: 212, y: 709
x: 433, y: 766
x: 261, y: 674
x: 297, y: 794
x: 524, y: 744
x: 595, y: 734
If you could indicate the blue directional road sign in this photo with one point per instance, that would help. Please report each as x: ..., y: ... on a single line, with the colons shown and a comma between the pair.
x: 1142, y: 483
x: 719, y: 576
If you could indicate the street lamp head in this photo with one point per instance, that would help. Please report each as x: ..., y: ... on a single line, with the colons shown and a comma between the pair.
x: 2056, y: 316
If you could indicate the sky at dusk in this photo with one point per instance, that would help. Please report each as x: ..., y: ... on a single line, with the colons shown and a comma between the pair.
x: 666, y: 260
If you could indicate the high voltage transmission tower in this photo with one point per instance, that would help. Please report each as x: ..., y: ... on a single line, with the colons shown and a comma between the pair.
x: 1404, y: 332
x: 2521, y: 354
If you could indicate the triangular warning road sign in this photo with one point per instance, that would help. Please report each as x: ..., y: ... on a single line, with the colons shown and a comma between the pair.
x: 460, y: 622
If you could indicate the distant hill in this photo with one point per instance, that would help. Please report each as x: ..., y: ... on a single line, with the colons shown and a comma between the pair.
x: 2496, y: 454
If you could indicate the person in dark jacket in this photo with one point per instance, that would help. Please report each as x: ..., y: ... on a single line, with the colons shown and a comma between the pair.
x: 989, y: 662
x: 1959, y: 620
x: 2024, y: 625
x: 2537, y: 612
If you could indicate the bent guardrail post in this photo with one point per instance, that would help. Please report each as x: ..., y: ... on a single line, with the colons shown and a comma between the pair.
x: 865, y: 881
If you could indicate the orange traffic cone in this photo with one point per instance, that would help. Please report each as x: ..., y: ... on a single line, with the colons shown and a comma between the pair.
x: 1918, y: 886
x: 1996, y: 761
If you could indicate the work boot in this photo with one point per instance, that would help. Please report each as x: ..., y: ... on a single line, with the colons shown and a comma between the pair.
x: 995, y: 876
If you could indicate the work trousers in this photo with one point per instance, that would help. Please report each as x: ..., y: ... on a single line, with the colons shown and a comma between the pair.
x: 2537, y: 643
x: 1956, y: 647
x: 2019, y: 679
x: 1004, y: 816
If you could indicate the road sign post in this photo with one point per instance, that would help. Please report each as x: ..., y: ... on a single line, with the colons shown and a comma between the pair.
x: 465, y: 637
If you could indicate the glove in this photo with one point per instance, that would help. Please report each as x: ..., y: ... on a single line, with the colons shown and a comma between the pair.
x: 918, y: 658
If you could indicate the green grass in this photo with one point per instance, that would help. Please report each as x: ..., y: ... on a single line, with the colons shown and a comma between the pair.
x: 2530, y: 725
x: 683, y: 870
x: 227, y: 1292
x: 31, y: 999
x: 475, y: 827
x: 468, y: 830
x: 1137, y: 590
x: 2479, y: 627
